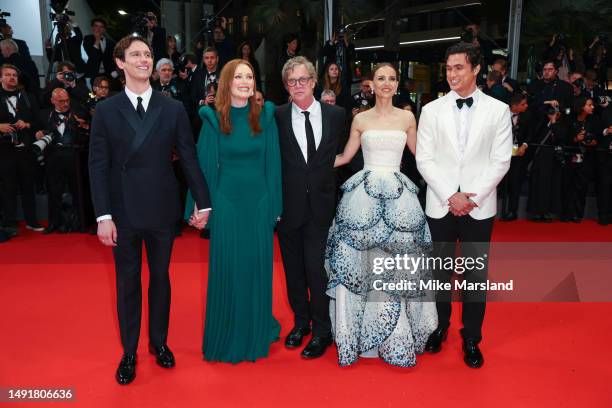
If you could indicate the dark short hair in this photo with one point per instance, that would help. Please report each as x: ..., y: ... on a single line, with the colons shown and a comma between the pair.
x: 210, y: 49
x: 189, y: 57
x: 551, y: 61
x: 290, y: 37
x: 99, y: 20
x: 517, y: 98
x: 504, y: 63
x: 124, y: 44
x: 9, y: 66
x: 472, y: 53
x: 65, y: 64
x: 99, y: 80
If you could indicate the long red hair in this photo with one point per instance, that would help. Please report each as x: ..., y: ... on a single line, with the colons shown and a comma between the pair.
x: 223, y: 99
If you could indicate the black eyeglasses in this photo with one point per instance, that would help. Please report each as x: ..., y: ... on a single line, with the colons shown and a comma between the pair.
x: 303, y: 81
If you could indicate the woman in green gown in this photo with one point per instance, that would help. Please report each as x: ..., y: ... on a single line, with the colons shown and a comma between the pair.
x: 239, y: 154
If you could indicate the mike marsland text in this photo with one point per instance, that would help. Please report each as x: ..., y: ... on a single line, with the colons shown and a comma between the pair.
x: 436, y: 285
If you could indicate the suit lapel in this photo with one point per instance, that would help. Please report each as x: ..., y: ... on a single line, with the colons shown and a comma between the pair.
x: 142, y: 128
x: 325, y: 118
x: 291, y: 135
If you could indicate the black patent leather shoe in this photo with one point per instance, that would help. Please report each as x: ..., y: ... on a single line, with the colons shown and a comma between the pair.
x: 434, y: 342
x: 126, y: 372
x: 163, y: 356
x: 471, y: 354
x: 295, y: 336
x: 316, y: 347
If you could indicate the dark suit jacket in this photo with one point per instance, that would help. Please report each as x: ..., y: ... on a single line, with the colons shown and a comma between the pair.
x: 28, y: 111
x: 96, y: 56
x: 315, y: 182
x: 130, y: 162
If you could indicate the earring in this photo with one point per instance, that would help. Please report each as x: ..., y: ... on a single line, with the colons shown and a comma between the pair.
x: 251, y: 93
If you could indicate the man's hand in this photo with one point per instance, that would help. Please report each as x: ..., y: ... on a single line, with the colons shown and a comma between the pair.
x: 107, y: 233
x: 508, y: 87
x: 522, y: 150
x: 20, y: 124
x: 6, y: 128
x: 460, y: 203
x: 39, y: 135
x: 199, y: 218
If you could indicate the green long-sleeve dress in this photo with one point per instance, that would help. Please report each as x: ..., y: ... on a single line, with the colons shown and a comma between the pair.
x: 243, y: 172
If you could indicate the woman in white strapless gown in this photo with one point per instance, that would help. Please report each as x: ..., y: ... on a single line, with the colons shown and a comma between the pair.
x: 379, y: 216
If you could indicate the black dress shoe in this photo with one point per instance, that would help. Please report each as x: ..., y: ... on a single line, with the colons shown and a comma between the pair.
x: 295, y: 336
x: 163, y: 355
x: 127, y: 369
x: 434, y: 342
x: 547, y: 218
x: 511, y: 216
x: 471, y: 354
x: 316, y: 347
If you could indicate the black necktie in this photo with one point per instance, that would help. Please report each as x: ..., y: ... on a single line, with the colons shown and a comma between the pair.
x: 310, y: 140
x: 468, y: 101
x: 140, y: 109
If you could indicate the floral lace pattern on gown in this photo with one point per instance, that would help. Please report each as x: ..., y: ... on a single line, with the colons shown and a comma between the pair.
x: 379, y: 216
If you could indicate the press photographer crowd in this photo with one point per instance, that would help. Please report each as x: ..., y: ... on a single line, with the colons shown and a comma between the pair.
x: 561, y: 120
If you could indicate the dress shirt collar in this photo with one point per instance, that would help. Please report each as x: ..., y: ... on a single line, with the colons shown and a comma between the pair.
x: 133, y: 97
x: 314, y: 108
x: 454, y: 96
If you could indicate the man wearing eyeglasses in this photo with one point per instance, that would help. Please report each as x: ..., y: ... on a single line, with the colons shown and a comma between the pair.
x: 308, y: 135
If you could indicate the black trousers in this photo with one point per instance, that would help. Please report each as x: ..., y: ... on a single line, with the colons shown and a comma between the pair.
x: 303, y: 252
x: 473, y: 237
x: 128, y: 265
x: 17, y: 169
x: 61, y: 164
x: 545, y: 183
x: 511, y: 185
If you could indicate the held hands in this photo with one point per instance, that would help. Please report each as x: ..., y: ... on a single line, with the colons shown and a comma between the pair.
x: 199, y: 219
x: 460, y: 204
x: 107, y: 233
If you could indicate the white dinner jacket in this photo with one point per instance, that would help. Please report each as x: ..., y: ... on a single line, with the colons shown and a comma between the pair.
x: 479, y: 170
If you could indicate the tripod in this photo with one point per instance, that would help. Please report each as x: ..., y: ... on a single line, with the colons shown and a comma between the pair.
x: 61, y: 42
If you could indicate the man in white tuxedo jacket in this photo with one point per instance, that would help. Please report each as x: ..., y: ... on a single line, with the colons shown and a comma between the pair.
x: 464, y: 147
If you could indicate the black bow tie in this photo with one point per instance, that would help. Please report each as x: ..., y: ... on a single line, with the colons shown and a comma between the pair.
x: 468, y: 101
x: 10, y: 93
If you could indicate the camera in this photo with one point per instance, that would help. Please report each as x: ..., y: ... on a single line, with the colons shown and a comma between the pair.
x: 69, y: 76
x: 2, y: 19
x: 602, y: 100
x: 589, y: 137
x: 39, y: 146
x: 61, y: 15
x: 551, y: 110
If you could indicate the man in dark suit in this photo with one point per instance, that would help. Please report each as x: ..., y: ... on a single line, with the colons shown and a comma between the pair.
x: 7, y: 33
x: 501, y: 66
x: 135, y: 195
x: 99, y: 49
x: 308, y: 135
x: 550, y: 91
x: 521, y: 127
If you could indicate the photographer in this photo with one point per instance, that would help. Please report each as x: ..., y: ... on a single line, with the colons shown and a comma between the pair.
x: 6, y: 33
x: 67, y: 46
x: 200, y: 94
x: 471, y: 34
x: 156, y: 36
x: 226, y: 49
x: 99, y: 49
x: 101, y: 87
x: 596, y: 58
x: 66, y: 79
x: 66, y: 132
x: 521, y: 128
x: 364, y: 99
x: 18, y: 120
x: 169, y: 86
x: 340, y: 51
x: 546, y: 166
x: 501, y: 65
x: 550, y: 91
x: 580, y: 167
x: 28, y: 71
x: 495, y: 88
x: 604, y: 172
x: 561, y: 54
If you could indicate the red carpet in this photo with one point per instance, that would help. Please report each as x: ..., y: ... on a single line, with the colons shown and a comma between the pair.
x: 59, y: 329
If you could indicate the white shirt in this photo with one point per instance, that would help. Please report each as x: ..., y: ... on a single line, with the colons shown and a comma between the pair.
x: 101, y: 47
x: 298, y: 122
x: 11, y: 100
x: 463, y: 118
x: 146, y: 98
x: 61, y: 128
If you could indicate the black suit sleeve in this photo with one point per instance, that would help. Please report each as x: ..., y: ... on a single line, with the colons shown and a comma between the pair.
x: 99, y: 164
x: 188, y: 158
